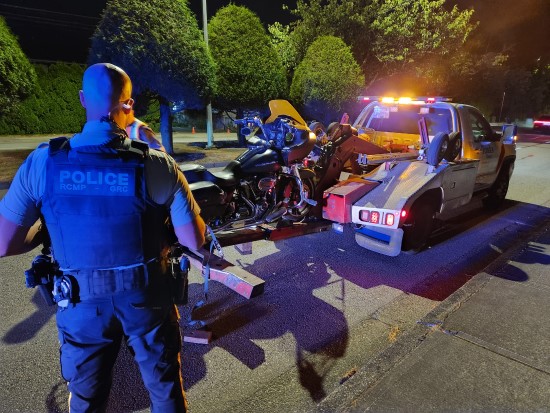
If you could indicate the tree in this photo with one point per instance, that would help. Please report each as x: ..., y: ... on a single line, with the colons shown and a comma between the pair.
x: 386, y: 36
x: 158, y: 43
x: 539, y: 91
x: 410, y: 33
x: 53, y: 106
x: 249, y: 71
x: 326, y: 79
x: 17, y: 76
x: 345, y: 19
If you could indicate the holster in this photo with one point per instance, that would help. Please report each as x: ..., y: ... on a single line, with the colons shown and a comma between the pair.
x: 180, y: 273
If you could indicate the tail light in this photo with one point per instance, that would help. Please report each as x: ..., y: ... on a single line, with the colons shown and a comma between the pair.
x: 379, y: 217
x: 375, y: 217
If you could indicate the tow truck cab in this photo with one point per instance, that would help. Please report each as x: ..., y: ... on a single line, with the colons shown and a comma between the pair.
x: 447, y: 152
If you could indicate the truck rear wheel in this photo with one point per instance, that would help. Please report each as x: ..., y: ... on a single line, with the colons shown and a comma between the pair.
x: 418, y: 227
x: 497, y: 192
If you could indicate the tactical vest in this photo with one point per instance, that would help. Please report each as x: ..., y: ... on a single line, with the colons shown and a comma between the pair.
x: 133, y: 129
x: 96, y: 206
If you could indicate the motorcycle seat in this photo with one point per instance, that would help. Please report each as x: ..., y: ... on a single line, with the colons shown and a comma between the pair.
x: 196, y: 173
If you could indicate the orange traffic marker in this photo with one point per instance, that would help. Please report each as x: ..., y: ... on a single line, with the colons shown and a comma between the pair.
x: 193, y: 130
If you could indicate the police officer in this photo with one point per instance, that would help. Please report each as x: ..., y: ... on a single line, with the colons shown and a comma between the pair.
x: 139, y: 130
x: 105, y: 201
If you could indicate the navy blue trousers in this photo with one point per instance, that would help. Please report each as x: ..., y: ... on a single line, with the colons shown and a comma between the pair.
x: 91, y: 332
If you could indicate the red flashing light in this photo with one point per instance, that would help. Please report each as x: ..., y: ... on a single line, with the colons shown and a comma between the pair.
x: 403, y: 214
x: 375, y: 217
x: 390, y: 219
x: 430, y: 100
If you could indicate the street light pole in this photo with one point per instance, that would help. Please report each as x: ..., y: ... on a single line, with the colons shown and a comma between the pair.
x: 501, y: 105
x: 209, y: 129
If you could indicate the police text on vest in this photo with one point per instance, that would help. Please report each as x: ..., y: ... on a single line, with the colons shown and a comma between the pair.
x: 77, y: 180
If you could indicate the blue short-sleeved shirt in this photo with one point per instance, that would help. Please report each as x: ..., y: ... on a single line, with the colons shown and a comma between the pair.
x: 166, y: 184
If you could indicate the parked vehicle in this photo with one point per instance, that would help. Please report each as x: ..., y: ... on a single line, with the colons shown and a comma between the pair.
x: 451, y: 155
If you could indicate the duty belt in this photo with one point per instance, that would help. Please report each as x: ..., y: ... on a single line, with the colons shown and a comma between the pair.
x: 95, y: 283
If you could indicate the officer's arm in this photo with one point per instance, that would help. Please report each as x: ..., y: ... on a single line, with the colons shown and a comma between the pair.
x: 191, y: 235
x: 18, y: 239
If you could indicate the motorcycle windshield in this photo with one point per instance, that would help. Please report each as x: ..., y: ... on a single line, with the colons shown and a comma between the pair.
x: 283, y: 107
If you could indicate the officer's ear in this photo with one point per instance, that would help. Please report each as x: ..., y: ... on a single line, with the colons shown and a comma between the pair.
x: 127, y: 106
x: 82, y: 99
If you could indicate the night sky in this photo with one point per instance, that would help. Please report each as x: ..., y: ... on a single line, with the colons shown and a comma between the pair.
x: 61, y: 29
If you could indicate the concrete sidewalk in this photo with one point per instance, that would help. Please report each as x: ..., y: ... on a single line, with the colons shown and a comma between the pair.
x: 486, y: 348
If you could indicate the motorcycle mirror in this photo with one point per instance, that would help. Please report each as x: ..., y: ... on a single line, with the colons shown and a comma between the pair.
x: 246, y: 131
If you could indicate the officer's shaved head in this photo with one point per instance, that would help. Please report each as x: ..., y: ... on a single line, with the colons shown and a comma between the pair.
x: 104, y: 85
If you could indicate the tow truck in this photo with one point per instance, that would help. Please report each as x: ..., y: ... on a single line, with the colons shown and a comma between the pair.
x: 447, y: 154
x: 437, y: 156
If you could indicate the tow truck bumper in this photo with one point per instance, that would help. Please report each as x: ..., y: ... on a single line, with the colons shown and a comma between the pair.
x: 385, y: 241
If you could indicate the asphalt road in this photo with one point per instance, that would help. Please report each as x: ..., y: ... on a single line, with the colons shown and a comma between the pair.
x: 329, y: 306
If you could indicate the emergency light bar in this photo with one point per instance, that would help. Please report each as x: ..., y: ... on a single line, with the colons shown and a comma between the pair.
x: 404, y: 100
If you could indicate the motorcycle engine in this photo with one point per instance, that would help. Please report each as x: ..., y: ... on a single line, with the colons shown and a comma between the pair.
x: 267, y: 183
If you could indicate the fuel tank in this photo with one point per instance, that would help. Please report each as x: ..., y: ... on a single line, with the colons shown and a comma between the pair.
x: 299, y: 147
x: 259, y: 163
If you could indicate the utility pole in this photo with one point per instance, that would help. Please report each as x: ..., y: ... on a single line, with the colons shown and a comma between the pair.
x: 209, y: 129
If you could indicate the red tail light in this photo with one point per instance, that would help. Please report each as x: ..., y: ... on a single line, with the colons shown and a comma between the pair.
x: 383, y: 217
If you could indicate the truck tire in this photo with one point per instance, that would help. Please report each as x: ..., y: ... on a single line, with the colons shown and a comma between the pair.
x: 418, y: 227
x: 438, y: 148
x: 455, y: 146
x: 497, y: 192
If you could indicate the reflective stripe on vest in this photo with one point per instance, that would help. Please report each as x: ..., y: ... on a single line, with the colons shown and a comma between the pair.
x: 96, y: 210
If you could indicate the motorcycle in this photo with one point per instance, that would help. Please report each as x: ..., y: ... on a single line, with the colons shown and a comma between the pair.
x: 271, y: 181
x: 336, y: 151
